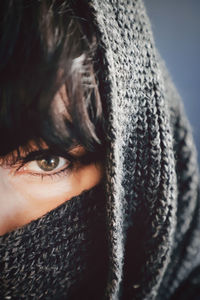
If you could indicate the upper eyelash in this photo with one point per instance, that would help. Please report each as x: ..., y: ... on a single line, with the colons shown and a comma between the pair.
x: 21, y: 161
x: 35, y: 155
x: 18, y: 159
x: 39, y: 154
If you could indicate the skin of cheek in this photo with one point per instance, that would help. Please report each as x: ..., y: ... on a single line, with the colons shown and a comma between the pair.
x: 11, y: 203
x: 36, y: 196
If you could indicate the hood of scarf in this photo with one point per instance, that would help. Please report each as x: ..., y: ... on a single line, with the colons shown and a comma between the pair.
x: 152, y: 169
x: 150, y: 233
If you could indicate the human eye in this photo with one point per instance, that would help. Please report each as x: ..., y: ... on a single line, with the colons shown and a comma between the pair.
x: 41, y: 163
x: 45, y: 165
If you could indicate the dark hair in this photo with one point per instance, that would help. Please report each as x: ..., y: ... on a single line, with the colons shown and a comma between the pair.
x: 44, y: 46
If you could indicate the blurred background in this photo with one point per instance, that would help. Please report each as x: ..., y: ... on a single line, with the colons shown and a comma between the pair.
x: 176, y: 28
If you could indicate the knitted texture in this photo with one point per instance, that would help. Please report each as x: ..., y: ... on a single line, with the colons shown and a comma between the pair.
x: 152, y: 170
x: 52, y: 256
x: 143, y: 238
x: 144, y: 175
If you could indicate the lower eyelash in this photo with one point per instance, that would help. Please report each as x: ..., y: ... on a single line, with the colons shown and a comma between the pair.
x: 66, y: 171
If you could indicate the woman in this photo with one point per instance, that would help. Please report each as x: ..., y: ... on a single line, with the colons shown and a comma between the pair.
x: 99, y: 177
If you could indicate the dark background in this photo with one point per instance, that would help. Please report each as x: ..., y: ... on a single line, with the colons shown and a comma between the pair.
x: 176, y: 28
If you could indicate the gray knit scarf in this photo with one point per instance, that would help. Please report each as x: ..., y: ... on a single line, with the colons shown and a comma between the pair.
x: 56, y: 256
x: 145, y: 244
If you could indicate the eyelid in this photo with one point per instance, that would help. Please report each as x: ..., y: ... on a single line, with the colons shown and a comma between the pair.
x: 65, y: 170
x: 83, y: 159
x: 38, y: 154
x: 73, y: 159
x: 29, y: 167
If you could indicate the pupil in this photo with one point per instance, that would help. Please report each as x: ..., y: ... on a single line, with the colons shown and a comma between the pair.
x: 48, y: 163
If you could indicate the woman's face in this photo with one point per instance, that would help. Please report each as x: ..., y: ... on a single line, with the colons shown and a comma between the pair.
x: 43, y: 182
x: 30, y: 191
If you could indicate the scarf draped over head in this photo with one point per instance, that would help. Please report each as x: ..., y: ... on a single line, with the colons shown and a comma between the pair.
x: 152, y: 170
x: 146, y: 225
